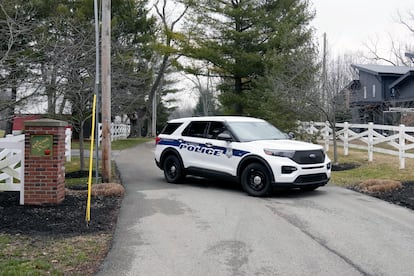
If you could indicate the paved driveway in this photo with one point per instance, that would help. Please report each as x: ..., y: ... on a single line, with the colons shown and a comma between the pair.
x: 210, y: 228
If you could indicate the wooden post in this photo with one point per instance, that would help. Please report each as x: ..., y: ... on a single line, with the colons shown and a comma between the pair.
x: 326, y: 136
x: 370, y: 142
x: 401, y: 150
x: 346, y: 139
x: 106, y: 91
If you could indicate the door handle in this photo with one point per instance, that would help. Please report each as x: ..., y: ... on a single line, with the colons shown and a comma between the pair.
x: 209, y: 145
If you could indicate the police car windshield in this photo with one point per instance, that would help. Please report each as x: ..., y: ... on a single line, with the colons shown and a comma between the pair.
x: 251, y: 131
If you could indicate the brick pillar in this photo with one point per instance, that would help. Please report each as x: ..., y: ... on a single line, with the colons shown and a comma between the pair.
x: 44, y: 171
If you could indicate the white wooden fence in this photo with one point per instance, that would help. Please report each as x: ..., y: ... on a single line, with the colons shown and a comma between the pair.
x: 12, y: 165
x: 118, y: 131
x: 12, y: 157
x: 12, y: 162
x: 68, y: 144
x: 394, y: 140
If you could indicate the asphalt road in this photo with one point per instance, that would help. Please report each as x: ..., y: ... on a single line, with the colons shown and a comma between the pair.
x: 209, y: 228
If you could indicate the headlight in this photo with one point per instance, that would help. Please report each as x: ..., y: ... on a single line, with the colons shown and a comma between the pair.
x: 280, y: 153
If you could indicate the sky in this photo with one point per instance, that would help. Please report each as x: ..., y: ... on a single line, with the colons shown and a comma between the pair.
x: 349, y: 24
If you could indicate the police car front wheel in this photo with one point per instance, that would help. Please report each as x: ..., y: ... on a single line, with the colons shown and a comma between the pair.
x: 173, y: 171
x: 255, y: 180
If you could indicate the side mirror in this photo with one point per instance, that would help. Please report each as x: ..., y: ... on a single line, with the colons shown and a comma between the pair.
x: 225, y: 136
x: 291, y: 135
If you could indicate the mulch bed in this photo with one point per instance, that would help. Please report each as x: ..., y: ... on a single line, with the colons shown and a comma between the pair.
x: 403, y: 196
x: 67, y: 218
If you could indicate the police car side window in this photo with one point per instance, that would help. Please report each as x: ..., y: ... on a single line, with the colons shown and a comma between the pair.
x: 215, y: 129
x: 195, y: 129
x: 170, y: 128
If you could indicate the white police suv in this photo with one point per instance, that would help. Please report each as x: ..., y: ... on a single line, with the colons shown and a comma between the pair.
x: 248, y: 150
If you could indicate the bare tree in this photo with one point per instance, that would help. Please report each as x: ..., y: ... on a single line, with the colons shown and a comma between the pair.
x: 167, y: 47
x: 15, y: 33
x: 395, y: 55
x: 204, y: 88
x: 8, y: 28
x: 338, y: 75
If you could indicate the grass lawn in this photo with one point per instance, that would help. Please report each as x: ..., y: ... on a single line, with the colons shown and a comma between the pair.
x: 382, y: 167
x: 45, y: 255
x: 74, y: 164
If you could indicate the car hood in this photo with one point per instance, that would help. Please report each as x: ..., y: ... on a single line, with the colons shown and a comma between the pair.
x: 286, y: 145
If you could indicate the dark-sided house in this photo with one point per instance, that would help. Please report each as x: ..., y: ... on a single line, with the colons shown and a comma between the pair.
x: 383, y: 94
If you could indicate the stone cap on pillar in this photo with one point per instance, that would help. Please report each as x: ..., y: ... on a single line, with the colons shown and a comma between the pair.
x: 45, y: 122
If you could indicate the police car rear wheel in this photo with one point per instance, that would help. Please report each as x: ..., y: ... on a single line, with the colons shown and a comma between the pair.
x: 255, y: 180
x: 173, y: 171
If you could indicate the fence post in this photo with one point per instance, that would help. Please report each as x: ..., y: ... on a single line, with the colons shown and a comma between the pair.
x: 326, y: 136
x: 112, y: 132
x: 401, y: 150
x: 22, y: 146
x: 370, y: 141
x: 68, y: 144
x: 346, y: 139
x: 311, y: 128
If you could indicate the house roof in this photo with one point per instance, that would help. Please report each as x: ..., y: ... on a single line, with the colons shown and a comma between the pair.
x: 402, y: 79
x: 376, y: 69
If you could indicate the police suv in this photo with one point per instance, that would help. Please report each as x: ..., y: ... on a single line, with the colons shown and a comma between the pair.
x: 251, y: 151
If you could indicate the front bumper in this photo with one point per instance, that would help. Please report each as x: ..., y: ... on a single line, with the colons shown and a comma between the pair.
x: 289, y: 174
x: 319, y: 179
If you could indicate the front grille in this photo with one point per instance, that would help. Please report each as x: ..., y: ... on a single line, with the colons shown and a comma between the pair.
x: 309, y: 157
x: 312, y: 168
x: 310, y: 178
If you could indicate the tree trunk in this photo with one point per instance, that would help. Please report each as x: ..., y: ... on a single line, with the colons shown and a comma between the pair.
x: 62, y: 105
x: 154, y: 88
x: 238, y: 108
x: 10, y: 110
x: 135, y: 126
x: 149, y: 124
x: 81, y: 147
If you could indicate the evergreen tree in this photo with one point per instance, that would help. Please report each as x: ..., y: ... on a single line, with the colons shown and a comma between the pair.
x: 249, y: 41
x: 133, y: 33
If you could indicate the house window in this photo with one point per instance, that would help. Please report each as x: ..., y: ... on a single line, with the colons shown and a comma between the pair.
x: 373, y: 90
x: 365, y: 92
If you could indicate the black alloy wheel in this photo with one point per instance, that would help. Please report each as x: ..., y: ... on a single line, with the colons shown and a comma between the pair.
x: 255, y: 180
x: 173, y: 171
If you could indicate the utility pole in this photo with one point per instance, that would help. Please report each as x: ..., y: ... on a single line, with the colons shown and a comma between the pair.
x: 106, y: 91
x: 96, y: 7
x: 324, y: 93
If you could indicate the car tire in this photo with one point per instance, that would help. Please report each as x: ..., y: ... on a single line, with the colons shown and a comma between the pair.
x: 173, y: 170
x: 256, y: 180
